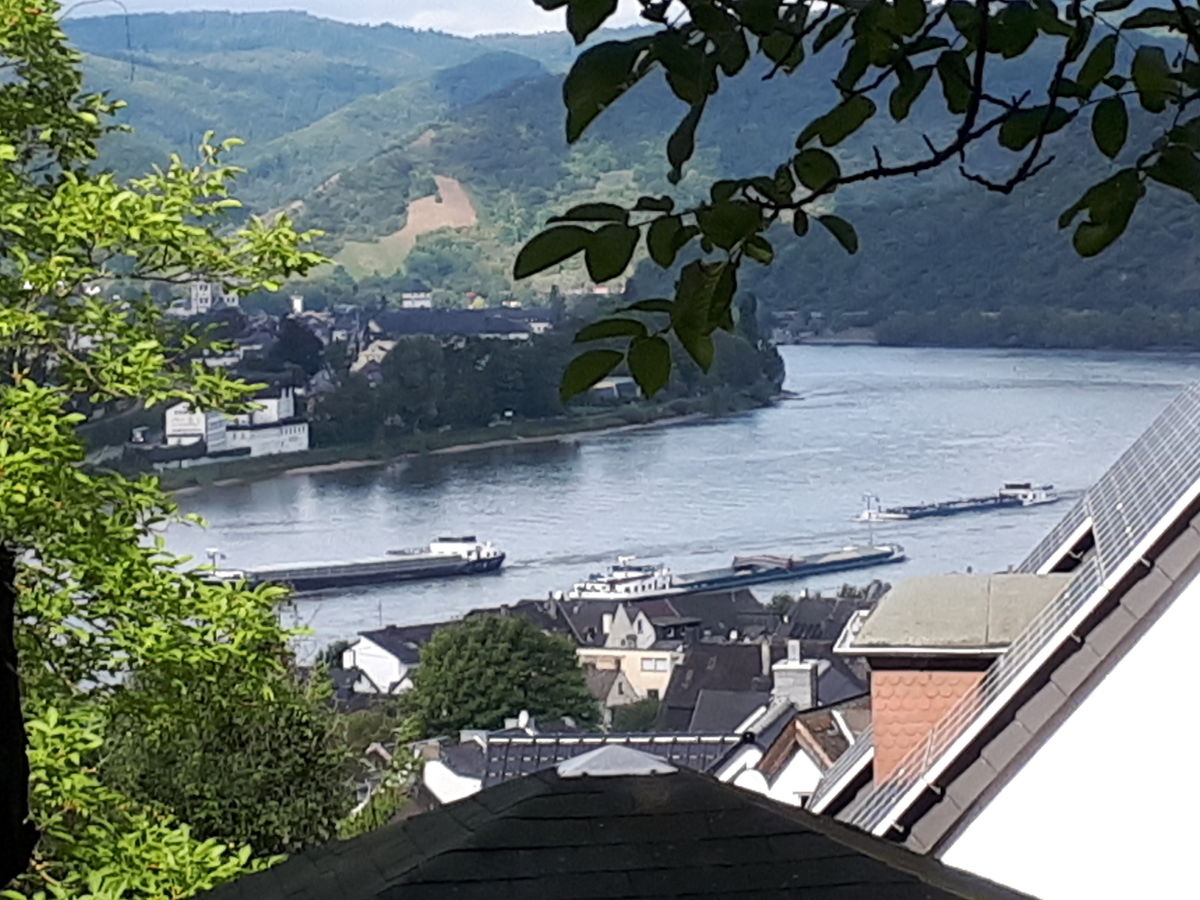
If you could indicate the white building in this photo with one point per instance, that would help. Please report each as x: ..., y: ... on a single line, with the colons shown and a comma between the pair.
x: 1049, y: 771
x: 385, y: 660
x: 204, y: 296
x: 271, y: 429
x: 183, y: 426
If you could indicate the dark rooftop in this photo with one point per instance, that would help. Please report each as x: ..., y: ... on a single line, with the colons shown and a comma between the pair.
x: 725, y: 710
x: 403, y: 642
x: 597, y: 832
x: 719, y: 667
x: 500, y: 757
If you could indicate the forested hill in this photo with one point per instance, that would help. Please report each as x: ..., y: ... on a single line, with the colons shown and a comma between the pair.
x: 431, y: 157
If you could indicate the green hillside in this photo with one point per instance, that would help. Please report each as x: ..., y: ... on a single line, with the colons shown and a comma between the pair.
x: 432, y: 157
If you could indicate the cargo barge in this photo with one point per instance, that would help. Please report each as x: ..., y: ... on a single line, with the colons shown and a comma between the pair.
x: 1013, y: 494
x: 445, y: 557
x: 629, y: 579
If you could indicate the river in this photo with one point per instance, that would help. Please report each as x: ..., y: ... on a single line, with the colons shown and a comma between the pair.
x: 907, y: 424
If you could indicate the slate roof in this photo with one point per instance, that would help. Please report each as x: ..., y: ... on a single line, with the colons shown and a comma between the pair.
x: 403, y: 641
x: 721, y: 667
x: 820, y: 619
x: 497, y: 757
x: 545, y: 614
x: 669, y: 835
x: 600, y: 681
x: 447, y: 322
x: 725, y: 710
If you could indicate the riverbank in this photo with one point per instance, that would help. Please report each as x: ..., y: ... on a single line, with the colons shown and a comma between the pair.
x: 350, y: 457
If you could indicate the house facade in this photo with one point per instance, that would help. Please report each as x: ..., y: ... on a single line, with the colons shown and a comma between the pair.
x: 1051, y: 773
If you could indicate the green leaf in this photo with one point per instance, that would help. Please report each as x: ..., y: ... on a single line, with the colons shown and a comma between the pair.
x: 910, y: 16
x: 839, y: 123
x: 965, y: 17
x: 858, y: 59
x: 703, y: 300
x: 1099, y: 63
x: 609, y: 251
x: 842, y: 230
x: 956, y: 80
x: 759, y: 249
x: 782, y: 48
x: 1112, y: 5
x: 700, y: 348
x: 654, y: 204
x: 1152, y: 78
x: 1154, y: 17
x: 1013, y: 30
x: 1046, y: 15
x: 688, y: 71
x: 610, y: 328
x: 650, y: 364
x: 830, y: 30
x: 549, y: 248
x: 594, y: 212
x: 585, y: 16
x: 1023, y: 126
x: 816, y: 169
x: 682, y: 142
x: 1080, y: 35
x: 760, y: 16
x: 1110, y: 204
x: 662, y: 240
x: 1177, y: 167
x: 911, y: 87
x: 800, y: 223
x: 1110, y: 126
x: 1187, y: 133
x: 729, y: 222
x: 599, y: 76
x: 732, y: 52
x: 586, y: 369
x: 656, y: 306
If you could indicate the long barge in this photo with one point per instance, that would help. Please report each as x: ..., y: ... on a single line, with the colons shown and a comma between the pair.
x: 1012, y: 494
x: 629, y: 579
x: 443, y: 558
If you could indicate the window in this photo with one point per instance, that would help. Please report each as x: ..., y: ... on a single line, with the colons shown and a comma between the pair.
x: 652, y: 694
x: 654, y: 664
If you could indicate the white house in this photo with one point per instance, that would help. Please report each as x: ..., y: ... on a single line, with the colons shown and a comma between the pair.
x: 385, y: 660
x: 1053, y: 772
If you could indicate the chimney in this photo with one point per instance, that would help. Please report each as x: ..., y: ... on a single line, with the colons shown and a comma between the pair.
x: 928, y: 644
x: 795, y: 679
x: 297, y: 304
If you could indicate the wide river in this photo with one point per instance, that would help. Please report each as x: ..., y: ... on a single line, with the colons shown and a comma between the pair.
x: 909, y: 425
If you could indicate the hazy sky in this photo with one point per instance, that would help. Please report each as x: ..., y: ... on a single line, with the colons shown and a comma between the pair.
x: 457, y: 16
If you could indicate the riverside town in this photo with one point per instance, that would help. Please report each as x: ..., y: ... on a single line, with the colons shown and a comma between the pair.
x: 587, y: 449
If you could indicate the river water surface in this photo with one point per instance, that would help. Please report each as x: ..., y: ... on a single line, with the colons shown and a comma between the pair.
x: 910, y: 425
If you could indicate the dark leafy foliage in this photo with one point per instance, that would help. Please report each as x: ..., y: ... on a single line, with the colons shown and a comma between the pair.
x: 485, y: 668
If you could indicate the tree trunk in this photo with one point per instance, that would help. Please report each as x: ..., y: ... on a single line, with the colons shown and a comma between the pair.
x: 17, y: 834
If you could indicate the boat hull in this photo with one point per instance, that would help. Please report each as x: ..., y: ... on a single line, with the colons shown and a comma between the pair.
x: 374, y: 572
x: 730, y: 578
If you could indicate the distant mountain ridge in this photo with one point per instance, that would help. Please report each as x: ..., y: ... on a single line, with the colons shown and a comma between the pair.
x: 348, y: 125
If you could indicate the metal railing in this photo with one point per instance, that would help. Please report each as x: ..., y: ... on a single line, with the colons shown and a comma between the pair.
x: 831, y: 782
